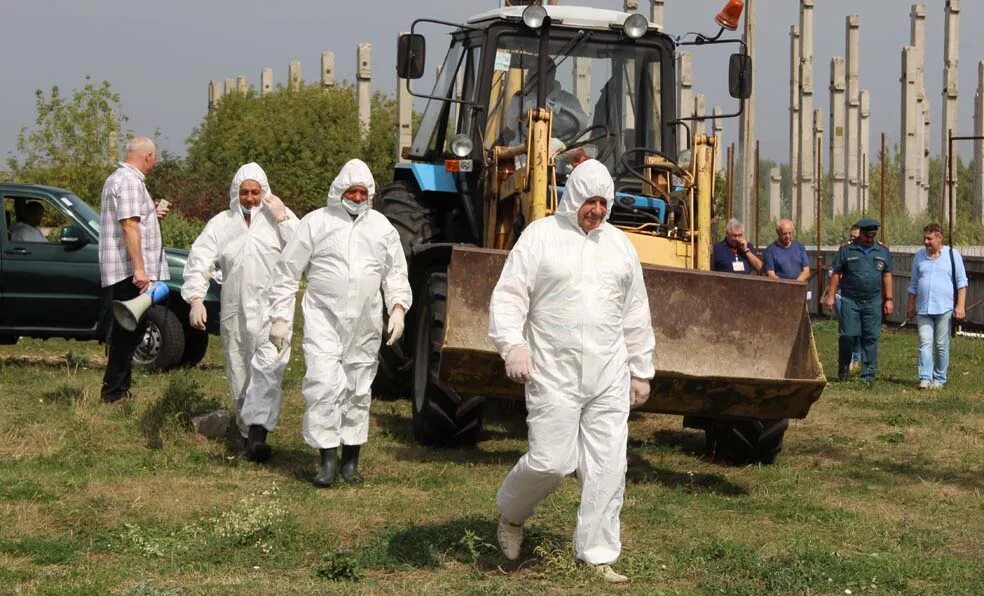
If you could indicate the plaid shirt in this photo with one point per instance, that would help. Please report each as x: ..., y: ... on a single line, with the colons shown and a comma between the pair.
x: 124, y: 196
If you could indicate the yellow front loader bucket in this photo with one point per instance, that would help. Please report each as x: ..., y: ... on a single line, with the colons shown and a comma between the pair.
x: 727, y: 346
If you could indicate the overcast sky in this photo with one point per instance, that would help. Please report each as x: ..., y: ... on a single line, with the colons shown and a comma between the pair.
x: 159, y: 56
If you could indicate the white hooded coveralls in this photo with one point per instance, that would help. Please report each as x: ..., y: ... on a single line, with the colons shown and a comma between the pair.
x: 346, y: 262
x: 246, y: 255
x: 578, y: 301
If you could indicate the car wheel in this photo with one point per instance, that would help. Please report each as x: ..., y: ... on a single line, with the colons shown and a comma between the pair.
x: 163, y: 341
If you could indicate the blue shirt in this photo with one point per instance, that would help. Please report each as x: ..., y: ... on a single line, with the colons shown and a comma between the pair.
x: 726, y: 259
x: 932, y: 281
x: 786, y: 261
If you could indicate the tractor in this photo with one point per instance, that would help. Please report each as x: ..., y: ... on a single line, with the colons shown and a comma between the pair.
x: 524, y: 94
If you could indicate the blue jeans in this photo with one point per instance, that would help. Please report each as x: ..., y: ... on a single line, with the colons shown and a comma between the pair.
x: 934, y: 346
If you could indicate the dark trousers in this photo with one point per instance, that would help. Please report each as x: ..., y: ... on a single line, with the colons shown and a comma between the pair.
x: 122, y: 345
x: 859, y: 319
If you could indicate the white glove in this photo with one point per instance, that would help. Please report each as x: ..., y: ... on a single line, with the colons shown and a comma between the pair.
x: 276, y: 206
x: 395, y: 328
x: 280, y: 334
x: 197, y: 316
x: 638, y: 392
x: 519, y: 366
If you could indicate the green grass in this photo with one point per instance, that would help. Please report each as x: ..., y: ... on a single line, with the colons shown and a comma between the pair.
x: 878, y: 491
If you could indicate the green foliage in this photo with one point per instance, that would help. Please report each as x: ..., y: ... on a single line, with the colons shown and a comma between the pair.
x: 179, y: 230
x: 340, y: 567
x: 181, y: 400
x: 75, y: 140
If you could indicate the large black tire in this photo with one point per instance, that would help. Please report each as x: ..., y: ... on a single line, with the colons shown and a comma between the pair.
x: 746, y: 441
x: 441, y: 417
x: 163, y: 342
x: 195, y: 346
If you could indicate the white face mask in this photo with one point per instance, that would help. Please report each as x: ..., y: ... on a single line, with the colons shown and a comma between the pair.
x: 355, y: 208
x: 249, y: 211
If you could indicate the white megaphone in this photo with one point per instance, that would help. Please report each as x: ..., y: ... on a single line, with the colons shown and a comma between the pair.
x: 129, y: 312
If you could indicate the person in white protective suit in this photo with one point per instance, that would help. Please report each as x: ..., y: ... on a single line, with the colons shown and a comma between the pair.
x: 245, y: 242
x: 570, y: 317
x: 348, y: 252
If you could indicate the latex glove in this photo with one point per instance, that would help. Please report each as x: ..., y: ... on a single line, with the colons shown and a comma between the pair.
x: 197, y: 316
x: 280, y: 334
x: 395, y: 329
x: 276, y: 206
x: 638, y: 392
x: 519, y: 365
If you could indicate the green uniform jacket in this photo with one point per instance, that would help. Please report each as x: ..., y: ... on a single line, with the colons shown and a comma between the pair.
x: 861, y: 274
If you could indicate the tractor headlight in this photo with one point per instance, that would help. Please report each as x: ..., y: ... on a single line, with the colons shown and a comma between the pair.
x: 533, y: 16
x: 461, y: 145
x: 635, y: 26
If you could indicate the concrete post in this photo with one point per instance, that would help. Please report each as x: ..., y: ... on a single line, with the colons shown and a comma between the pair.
x: 718, y: 126
x: 216, y: 89
x: 699, y: 126
x: 775, y: 193
x: 977, y: 211
x: 917, y: 39
x: 806, y: 151
x: 294, y: 80
x: 242, y: 85
x: 404, y: 117
x: 582, y: 82
x: 327, y: 70
x: 685, y: 97
x: 266, y: 81
x: 794, y: 142
x: 948, y: 123
x: 927, y: 142
x: 851, y: 182
x: 746, y: 127
x: 838, y: 186
x: 630, y: 5
x: 363, y: 77
x: 911, y: 150
x: 864, y: 149
x: 230, y: 86
x: 656, y: 18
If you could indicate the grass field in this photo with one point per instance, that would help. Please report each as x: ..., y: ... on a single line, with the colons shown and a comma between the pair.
x: 878, y: 491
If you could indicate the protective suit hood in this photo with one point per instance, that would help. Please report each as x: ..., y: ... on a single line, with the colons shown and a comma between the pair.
x: 590, y: 179
x: 250, y: 171
x: 354, y: 173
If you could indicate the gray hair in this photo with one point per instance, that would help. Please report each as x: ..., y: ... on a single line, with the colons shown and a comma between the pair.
x: 734, y: 226
x: 140, y: 145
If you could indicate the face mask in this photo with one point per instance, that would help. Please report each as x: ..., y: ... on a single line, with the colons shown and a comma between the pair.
x: 249, y: 212
x: 355, y: 208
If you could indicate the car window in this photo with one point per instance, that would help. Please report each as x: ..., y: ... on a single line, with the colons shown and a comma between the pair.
x: 33, y: 219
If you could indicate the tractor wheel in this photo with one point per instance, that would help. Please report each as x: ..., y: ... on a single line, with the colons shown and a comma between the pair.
x: 746, y: 441
x: 441, y: 417
x: 392, y: 379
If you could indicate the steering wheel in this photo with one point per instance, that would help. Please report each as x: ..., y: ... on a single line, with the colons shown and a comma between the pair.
x: 605, y: 134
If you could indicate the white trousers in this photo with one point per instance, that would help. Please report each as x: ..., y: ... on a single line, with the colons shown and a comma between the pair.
x: 263, y: 396
x: 337, y: 399
x: 566, y: 435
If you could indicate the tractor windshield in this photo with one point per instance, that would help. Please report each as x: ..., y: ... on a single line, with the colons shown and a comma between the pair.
x: 599, y: 89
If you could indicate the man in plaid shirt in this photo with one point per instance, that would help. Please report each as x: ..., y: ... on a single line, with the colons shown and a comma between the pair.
x: 131, y: 253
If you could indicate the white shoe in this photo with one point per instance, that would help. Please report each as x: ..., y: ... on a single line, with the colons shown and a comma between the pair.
x: 609, y: 574
x: 510, y: 538
x: 935, y: 385
x: 925, y: 384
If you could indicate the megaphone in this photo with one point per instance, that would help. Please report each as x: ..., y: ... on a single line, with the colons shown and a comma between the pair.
x: 129, y: 312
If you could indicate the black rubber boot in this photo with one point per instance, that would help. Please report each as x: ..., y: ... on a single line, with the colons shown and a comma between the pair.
x: 350, y: 464
x: 256, y: 448
x: 328, y: 472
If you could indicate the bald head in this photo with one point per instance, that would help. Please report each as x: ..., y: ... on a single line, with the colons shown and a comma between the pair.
x: 141, y: 154
x: 784, y: 232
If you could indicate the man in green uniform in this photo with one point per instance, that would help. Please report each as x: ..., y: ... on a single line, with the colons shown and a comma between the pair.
x: 862, y: 271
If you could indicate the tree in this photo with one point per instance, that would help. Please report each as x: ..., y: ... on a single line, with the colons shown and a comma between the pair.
x: 75, y: 142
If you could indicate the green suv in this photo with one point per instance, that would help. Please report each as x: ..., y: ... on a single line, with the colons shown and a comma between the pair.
x: 50, y: 285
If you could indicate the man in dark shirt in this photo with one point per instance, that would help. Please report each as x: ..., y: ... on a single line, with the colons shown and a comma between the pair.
x: 786, y: 258
x: 862, y: 271
x: 734, y: 254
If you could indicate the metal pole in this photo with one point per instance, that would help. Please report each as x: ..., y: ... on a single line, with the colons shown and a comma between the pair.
x: 881, y: 192
x: 758, y: 205
x: 731, y: 182
x: 817, y: 176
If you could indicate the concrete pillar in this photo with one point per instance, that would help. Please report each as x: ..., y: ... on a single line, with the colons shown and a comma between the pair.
x: 838, y: 186
x: 230, y: 86
x: 718, y: 126
x: 775, y: 193
x: 746, y: 129
x: 806, y: 151
x: 851, y: 182
x: 656, y: 13
x: 216, y: 89
x: 363, y: 77
x: 794, y: 142
x: 977, y: 211
x: 911, y: 150
x: 656, y: 18
x: 951, y: 44
x: 864, y: 149
x: 327, y: 70
x: 927, y: 142
x: 685, y: 95
x: 700, y: 110
x: 242, y: 85
x: 294, y: 80
x: 630, y: 5
x: 582, y: 82
x: 266, y: 81
x: 917, y: 39
x: 404, y: 118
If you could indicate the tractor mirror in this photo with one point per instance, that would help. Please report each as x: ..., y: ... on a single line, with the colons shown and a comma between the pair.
x: 410, y: 53
x: 740, y: 76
